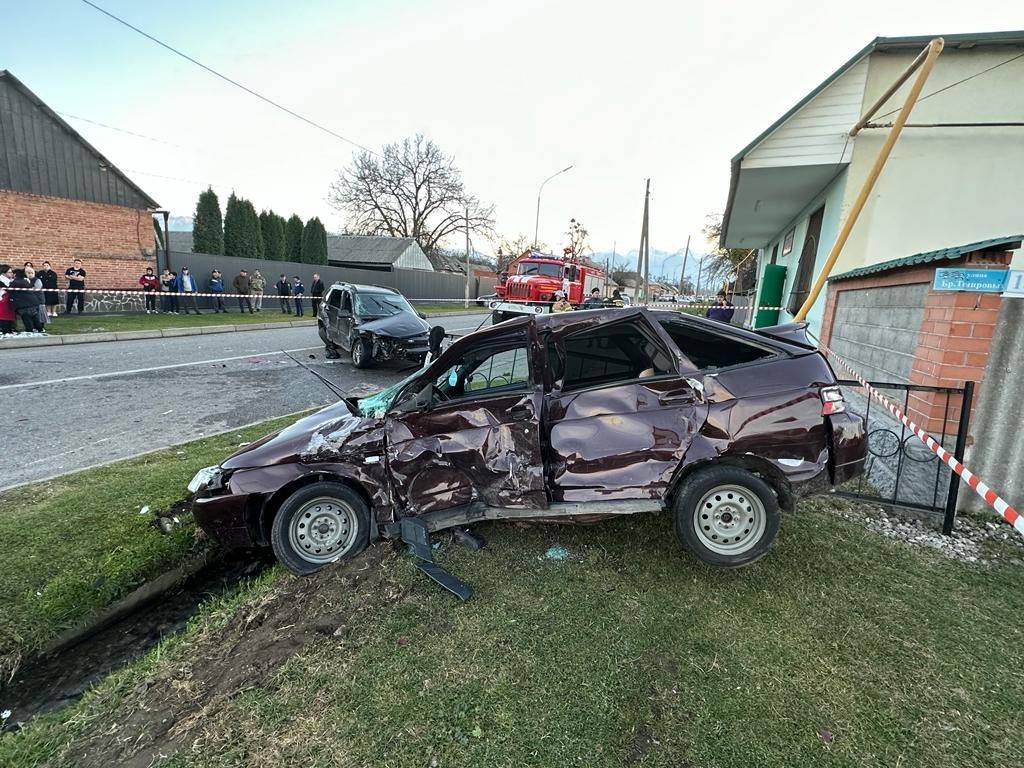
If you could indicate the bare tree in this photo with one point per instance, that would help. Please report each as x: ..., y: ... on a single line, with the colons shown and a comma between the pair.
x: 412, y: 189
x: 579, y: 239
x: 510, y: 248
x: 724, y: 264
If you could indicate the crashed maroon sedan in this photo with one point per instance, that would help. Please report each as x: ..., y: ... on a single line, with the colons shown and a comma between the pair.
x: 574, y: 416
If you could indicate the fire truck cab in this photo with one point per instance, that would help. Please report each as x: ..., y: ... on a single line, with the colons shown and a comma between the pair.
x: 533, y: 279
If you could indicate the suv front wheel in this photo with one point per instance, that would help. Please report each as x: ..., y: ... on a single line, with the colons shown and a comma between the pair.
x: 362, y: 353
x: 727, y: 516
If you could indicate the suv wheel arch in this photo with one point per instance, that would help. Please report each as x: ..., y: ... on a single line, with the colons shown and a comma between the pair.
x: 755, y: 464
x: 265, y: 516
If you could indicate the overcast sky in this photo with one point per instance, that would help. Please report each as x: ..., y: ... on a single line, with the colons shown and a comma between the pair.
x: 514, y: 90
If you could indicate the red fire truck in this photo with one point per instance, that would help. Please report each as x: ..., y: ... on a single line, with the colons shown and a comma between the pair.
x: 533, y: 278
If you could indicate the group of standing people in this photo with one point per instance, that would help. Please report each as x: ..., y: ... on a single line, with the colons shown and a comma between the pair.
x: 34, y: 301
x: 289, y: 293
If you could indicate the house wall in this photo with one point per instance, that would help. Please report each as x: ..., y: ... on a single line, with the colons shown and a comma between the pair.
x: 115, y: 243
x: 831, y: 198
x: 941, y: 186
x: 815, y: 134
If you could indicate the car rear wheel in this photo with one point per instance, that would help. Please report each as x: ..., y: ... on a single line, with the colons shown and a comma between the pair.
x: 361, y: 353
x: 727, y: 516
x: 319, y: 524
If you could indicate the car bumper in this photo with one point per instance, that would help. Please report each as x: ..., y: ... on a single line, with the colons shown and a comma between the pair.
x: 849, y: 444
x: 225, y: 518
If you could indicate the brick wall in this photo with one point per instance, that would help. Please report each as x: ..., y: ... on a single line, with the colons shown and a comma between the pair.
x: 115, y: 243
x: 953, y: 340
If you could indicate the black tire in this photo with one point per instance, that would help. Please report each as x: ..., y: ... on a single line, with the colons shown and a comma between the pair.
x: 745, y: 506
x: 307, y: 502
x: 362, y: 353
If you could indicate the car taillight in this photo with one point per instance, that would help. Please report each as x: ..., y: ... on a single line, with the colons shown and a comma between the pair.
x: 832, y: 401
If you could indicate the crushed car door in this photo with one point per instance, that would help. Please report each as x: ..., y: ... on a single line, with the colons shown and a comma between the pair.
x: 344, y: 326
x: 472, y: 431
x: 621, y: 413
x: 330, y: 309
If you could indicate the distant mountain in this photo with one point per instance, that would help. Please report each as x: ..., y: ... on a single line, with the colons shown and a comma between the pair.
x: 180, y: 223
x: 667, y: 263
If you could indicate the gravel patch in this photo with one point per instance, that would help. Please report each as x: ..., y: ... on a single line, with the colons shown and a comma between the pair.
x: 967, y: 543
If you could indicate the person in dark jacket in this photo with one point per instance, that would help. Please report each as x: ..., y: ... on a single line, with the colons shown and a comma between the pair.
x: 594, y: 300
x: 284, y: 290
x: 216, y: 285
x: 722, y: 311
x: 243, y: 287
x: 26, y: 302
x: 298, y: 291
x: 316, y: 292
x: 150, y: 286
x: 76, y: 286
x: 50, y: 296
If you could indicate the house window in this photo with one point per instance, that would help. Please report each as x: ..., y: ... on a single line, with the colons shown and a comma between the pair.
x: 775, y: 253
x: 787, y: 242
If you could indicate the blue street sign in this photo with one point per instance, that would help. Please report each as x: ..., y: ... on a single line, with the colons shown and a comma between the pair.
x: 975, y: 280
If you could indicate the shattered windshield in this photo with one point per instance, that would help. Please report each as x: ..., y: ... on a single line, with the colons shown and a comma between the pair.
x: 539, y: 268
x: 381, y: 304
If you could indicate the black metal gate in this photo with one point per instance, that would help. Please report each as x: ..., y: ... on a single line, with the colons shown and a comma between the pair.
x: 898, y: 471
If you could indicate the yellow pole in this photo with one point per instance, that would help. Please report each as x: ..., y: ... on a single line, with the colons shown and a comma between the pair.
x: 934, y: 49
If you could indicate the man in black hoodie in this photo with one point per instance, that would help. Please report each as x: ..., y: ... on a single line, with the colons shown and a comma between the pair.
x: 26, y: 302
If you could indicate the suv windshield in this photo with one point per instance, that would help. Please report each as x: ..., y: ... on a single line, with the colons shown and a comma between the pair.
x: 380, y: 304
x: 539, y: 268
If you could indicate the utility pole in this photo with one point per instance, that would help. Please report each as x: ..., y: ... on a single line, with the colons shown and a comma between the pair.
x: 536, y: 223
x: 467, y: 257
x: 643, y: 257
x: 682, y: 275
x: 700, y: 268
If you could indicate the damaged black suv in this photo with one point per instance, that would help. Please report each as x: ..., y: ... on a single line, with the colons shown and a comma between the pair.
x: 373, y: 324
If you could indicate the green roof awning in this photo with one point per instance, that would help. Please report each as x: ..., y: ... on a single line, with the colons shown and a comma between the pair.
x: 1008, y: 243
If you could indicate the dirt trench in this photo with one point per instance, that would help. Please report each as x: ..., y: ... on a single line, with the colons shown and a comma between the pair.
x: 164, y: 713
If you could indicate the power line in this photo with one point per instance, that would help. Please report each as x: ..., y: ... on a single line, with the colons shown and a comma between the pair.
x: 177, y: 178
x: 958, y: 82
x: 227, y: 79
x: 122, y: 130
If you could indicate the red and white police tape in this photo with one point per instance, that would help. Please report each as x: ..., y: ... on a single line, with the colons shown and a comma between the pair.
x: 993, y: 499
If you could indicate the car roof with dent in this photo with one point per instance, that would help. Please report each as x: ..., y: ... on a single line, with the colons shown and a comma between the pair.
x: 363, y: 288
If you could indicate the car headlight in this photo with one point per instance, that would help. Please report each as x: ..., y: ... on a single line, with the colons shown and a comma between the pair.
x: 204, y: 478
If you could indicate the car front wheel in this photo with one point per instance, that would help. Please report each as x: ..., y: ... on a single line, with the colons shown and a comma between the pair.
x: 362, y: 354
x: 319, y: 524
x: 727, y: 516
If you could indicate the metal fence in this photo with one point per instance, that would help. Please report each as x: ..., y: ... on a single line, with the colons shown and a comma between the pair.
x: 900, y: 470
x: 412, y: 283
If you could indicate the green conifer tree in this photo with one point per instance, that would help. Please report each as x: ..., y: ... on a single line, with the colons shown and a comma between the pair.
x: 314, y: 242
x: 207, y: 225
x: 293, y: 239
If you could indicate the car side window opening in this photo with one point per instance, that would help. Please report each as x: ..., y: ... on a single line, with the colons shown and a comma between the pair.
x: 485, y: 371
x: 612, y: 353
x: 346, y: 301
x: 709, y: 351
x: 334, y: 298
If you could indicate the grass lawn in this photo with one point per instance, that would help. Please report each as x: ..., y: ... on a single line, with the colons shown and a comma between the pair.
x: 73, y: 545
x: 840, y: 648
x: 435, y: 308
x: 134, y: 322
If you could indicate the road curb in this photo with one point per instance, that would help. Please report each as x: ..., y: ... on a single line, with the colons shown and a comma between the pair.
x: 168, y: 333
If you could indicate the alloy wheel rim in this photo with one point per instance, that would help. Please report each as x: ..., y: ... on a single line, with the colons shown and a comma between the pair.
x: 729, y: 520
x: 357, y: 352
x: 322, y: 530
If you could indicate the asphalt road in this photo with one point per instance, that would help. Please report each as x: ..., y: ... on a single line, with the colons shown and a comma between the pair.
x: 78, y: 406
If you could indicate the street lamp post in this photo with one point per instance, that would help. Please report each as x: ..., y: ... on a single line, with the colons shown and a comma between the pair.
x: 536, y: 224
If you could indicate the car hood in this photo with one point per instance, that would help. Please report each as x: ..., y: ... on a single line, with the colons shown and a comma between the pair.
x: 401, y: 326
x: 329, y: 434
